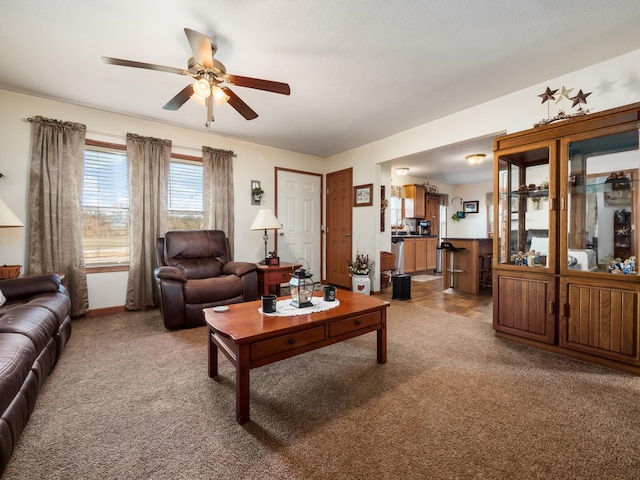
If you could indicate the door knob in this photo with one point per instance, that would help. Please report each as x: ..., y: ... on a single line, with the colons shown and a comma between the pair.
x: 282, y: 234
x: 347, y: 234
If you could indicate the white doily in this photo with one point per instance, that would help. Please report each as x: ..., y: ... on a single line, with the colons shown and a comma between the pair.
x: 285, y: 309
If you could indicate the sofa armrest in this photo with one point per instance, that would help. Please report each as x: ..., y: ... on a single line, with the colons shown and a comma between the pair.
x: 25, y: 287
x: 170, y: 273
x: 238, y: 268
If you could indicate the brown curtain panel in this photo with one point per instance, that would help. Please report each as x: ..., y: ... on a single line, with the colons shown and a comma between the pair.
x: 217, y: 193
x: 55, y: 205
x: 148, y: 178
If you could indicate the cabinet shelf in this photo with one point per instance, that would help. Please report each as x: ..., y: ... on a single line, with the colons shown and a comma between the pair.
x: 604, y: 187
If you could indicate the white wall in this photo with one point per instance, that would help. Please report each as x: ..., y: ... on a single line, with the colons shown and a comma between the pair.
x: 474, y: 225
x: 253, y: 162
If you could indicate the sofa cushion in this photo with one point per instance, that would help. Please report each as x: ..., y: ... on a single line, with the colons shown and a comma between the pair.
x: 17, y: 354
x: 36, y: 323
x: 57, y: 303
x: 211, y: 290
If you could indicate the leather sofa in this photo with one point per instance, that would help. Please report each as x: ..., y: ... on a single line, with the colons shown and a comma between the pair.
x: 195, y: 271
x: 34, y: 328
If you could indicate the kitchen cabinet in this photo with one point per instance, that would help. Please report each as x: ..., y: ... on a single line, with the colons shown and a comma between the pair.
x: 414, y: 202
x: 421, y: 254
x: 409, y: 255
x: 564, y: 260
x: 415, y: 255
x: 432, y: 212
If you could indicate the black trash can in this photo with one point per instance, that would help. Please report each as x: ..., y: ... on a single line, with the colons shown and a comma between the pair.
x: 401, y: 287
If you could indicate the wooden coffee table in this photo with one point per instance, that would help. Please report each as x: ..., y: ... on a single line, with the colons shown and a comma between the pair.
x: 250, y: 339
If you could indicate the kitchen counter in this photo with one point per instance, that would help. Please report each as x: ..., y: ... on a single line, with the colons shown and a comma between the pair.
x: 412, y: 235
x: 468, y: 261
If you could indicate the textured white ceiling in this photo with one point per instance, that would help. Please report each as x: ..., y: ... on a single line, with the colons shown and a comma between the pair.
x: 359, y: 70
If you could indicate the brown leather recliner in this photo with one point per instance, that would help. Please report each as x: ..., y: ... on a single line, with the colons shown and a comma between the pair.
x: 195, y: 271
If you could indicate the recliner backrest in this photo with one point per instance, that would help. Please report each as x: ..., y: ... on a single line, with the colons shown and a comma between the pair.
x: 199, y: 253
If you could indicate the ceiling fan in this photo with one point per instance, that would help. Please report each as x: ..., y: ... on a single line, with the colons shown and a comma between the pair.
x: 211, y: 79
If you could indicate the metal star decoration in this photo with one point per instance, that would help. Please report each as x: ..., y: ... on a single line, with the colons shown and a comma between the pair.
x: 564, y: 93
x: 580, y: 98
x: 548, y: 95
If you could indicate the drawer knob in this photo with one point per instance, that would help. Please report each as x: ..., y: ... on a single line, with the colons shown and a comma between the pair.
x: 292, y: 341
x: 358, y: 322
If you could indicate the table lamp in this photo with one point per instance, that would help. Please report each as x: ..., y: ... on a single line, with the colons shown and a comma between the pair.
x: 265, y: 220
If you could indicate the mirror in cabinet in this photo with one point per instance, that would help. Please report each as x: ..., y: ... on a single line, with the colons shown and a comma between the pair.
x: 601, y: 205
x: 523, y: 209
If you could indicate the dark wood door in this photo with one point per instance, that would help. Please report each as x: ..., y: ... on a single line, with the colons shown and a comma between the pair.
x: 338, y: 231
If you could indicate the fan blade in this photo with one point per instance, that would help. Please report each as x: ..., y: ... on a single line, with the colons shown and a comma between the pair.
x: 266, y: 85
x: 147, y: 66
x: 201, y: 47
x: 180, y: 99
x: 236, y: 102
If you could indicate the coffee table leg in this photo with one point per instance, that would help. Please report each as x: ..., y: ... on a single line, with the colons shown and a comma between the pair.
x: 382, y: 339
x: 242, y: 385
x: 212, y: 357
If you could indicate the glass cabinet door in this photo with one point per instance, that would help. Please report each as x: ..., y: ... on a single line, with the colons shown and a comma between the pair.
x: 601, y: 204
x: 524, y: 210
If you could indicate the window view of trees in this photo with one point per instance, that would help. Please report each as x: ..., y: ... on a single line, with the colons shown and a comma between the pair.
x: 105, y: 204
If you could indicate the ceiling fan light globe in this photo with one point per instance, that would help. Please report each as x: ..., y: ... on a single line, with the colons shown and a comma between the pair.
x: 202, y: 88
x: 219, y: 95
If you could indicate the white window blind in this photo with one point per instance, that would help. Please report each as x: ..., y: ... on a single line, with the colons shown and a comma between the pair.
x: 105, y: 207
x: 185, y: 196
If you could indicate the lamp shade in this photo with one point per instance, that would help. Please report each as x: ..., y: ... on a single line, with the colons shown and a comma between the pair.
x: 7, y: 217
x: 265, y: 220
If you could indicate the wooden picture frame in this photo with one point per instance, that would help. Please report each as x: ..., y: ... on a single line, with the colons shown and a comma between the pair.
x: 471, y: 207
x: 363, y: 195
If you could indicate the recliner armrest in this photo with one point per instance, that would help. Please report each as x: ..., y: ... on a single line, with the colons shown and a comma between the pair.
x: 238, y: 268
x: 170, y: 273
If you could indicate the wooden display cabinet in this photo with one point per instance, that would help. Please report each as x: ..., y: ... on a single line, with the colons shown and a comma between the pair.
x: 565, y: 253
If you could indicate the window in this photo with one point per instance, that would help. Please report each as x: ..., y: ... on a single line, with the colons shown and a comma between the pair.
x: 105, y: 202
x: 185, y: 196
x: 105, y: 207
x: 395, y: 206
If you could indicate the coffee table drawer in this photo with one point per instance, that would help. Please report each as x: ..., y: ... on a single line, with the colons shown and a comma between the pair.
x: 367, y: 321
x: 285, y: 343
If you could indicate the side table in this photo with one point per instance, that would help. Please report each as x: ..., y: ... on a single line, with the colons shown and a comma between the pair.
x: 271, y: 276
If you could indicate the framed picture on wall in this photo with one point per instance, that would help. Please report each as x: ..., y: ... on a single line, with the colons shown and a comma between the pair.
x: 470, y: 207
x: 363, y: 195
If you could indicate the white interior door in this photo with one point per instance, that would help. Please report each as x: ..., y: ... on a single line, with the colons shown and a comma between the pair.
x: 299, y: 211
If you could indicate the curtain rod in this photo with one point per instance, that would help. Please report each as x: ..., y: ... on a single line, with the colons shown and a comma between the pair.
x: 94, y: 132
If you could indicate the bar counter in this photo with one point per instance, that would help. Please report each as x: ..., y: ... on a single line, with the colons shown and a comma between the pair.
x: 468, y: 261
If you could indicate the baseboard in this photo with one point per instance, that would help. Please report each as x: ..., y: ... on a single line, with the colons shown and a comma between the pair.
x: 105, y: 311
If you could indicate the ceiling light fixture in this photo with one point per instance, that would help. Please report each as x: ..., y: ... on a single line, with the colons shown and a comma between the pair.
x: 475, y: 159
x: 202, y: 88
x: 219, y: 95
x: 401, y: 172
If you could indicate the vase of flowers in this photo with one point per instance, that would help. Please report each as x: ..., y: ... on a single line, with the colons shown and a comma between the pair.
x: 359, y: 269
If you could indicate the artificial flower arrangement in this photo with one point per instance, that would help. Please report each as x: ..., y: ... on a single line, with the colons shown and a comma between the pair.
x: 362, y: 265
